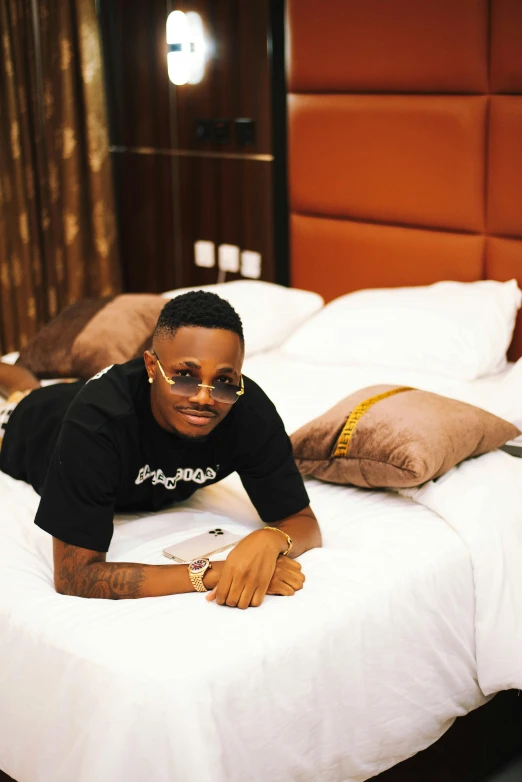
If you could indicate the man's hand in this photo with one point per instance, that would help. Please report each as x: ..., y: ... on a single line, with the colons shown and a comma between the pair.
x: 254, y: 569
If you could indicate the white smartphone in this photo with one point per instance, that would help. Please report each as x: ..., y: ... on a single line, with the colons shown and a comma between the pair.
x: 211, y: 542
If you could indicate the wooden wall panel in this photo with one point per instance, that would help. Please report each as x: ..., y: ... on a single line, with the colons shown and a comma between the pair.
x: 228, y: 202
x: 236, y: 82
x: 146, y: 220
x: 171, y: 188
x: 137, y: 84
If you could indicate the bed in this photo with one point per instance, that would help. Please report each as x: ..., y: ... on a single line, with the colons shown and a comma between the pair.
x: 403, y: 171
x: 368, y: 665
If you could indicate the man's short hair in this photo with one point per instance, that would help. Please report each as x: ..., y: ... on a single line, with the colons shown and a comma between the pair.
x: 198, y: 308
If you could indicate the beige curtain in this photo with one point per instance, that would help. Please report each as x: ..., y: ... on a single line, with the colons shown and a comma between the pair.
x: 57, y: 223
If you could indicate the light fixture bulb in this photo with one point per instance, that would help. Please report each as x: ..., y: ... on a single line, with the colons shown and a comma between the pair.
x: 186, y: 47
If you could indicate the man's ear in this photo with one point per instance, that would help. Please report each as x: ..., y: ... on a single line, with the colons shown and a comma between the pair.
x: 150, y: 363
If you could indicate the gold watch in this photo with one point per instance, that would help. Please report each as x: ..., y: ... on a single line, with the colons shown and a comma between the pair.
x: 196, y: 570
x: 288, y: 539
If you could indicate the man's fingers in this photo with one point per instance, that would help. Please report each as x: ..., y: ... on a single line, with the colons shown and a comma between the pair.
x: 286, y: 566
x: 234, y: 593
x: 291, y: 564
x: 289, y: 572
x: 246, y: 596
x: 223, y: 586
x: 295, y: 581
x: 286, y: 587
x: 286, y: 580
x: 257, y: 598
x: 281, y: 588
x: 243, y: 583
x: 247, y: 587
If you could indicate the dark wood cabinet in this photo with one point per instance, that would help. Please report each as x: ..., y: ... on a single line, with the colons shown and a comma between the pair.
x: 172, y: 187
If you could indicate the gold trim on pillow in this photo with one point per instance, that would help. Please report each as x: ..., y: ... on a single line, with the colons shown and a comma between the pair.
x: 343, y: 443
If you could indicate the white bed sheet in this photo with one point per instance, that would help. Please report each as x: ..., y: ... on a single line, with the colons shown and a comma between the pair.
x: 369, y: 664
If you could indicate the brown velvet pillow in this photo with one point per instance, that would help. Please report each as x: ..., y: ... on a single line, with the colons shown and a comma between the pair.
x: 403, y: 438
x: 92, y: 334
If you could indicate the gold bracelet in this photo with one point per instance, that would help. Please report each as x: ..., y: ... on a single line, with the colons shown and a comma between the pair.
x: 288, y: 539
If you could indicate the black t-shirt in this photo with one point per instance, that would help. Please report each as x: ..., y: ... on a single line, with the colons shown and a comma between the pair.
x: 94, y: 448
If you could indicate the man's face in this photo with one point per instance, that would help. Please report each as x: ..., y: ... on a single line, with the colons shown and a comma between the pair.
x: 212, y: 356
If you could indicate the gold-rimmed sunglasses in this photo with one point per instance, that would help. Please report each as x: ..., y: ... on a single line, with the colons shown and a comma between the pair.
x: 188, y: 386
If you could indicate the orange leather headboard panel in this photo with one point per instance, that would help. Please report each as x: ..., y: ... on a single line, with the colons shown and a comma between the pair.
x: 391, y: 158
x: 505, y: 37
x: 505, y: 165
x: 388, y: 45
x: 405, y: 152
x: 344, y: 255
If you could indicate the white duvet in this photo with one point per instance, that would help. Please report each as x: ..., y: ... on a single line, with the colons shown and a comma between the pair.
x: 481, y: 500
x: 392, y: 637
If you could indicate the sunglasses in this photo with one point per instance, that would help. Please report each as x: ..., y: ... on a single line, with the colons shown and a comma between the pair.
x: 188, y: 386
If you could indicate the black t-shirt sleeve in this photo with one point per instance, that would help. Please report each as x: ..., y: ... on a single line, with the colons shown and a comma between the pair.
x: 78, y: 496
x: 270, y: 476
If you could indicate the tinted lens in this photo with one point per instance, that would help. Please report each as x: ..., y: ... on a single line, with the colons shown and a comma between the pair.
x: 224, y: 392
x: 185, y: 386
x: 189, y: 386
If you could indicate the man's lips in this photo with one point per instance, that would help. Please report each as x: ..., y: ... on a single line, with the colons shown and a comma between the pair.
x: 196, y: 417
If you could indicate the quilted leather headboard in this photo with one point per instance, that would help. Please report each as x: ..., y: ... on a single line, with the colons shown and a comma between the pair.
x: 405, y: 143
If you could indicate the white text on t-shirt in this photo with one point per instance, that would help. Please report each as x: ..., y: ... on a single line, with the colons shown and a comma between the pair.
x: 188, y: 474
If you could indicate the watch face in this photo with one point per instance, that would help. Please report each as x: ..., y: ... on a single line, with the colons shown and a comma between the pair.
x: 198, y: 565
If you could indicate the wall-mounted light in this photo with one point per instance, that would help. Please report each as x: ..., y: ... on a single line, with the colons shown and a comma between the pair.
x: 186, y: 47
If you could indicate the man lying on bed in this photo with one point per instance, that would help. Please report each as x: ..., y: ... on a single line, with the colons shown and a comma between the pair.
x: 139, y: 436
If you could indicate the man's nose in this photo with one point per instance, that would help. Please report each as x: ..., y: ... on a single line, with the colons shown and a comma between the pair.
x: 203, y: 395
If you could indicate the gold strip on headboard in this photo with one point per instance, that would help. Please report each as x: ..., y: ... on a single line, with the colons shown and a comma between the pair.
x: 353, y: 419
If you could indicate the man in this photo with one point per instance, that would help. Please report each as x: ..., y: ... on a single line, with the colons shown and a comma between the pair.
x: 139, y: 436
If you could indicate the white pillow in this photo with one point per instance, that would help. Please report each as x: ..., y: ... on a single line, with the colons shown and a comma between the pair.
x: 9, y: 358
x: 270, y: 313
x: 460, y: 330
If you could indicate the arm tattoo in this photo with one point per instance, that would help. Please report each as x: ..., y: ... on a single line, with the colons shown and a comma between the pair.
x: 99, y: 579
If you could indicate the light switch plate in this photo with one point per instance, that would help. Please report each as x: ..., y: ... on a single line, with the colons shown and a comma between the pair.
x: 251, y: 264
x: 228, y: 258
x: 205, y: 254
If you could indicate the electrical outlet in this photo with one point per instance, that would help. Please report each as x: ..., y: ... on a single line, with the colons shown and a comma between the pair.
x: 204, y: 254
x: 228, y: 258
x: 251, y: 264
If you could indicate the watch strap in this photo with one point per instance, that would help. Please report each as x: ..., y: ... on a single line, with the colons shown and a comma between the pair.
x: 197, y: 582
x: 196, y: 579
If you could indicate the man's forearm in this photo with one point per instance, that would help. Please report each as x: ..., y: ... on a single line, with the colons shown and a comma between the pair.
x: 119, y: 580
x: 304, y: 531
x: 85, y: 573
x: 15, y: 378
